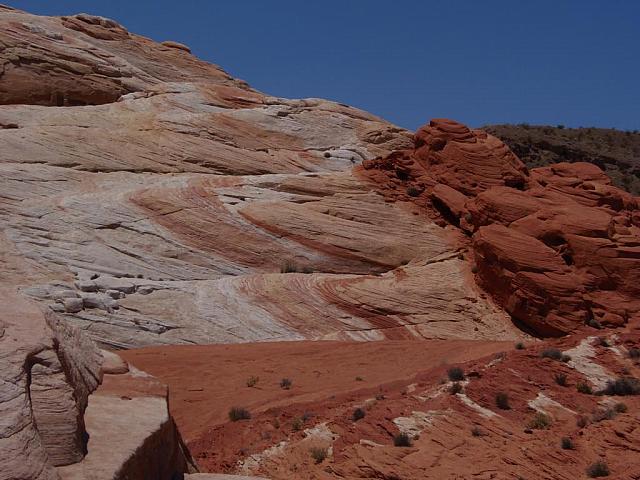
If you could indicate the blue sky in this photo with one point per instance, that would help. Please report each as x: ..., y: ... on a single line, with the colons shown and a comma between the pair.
x: 571, y: 62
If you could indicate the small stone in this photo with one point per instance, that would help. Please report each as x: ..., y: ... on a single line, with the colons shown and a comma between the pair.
x: 73, y: 305
x: 115, y: 294
x: 86, y: 286
x: 113, y: 364
x: 57, y: 307
x: 145, y: 290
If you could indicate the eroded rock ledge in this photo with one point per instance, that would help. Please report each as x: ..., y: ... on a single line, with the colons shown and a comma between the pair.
x: 59, y: 423
x: 557, y: 246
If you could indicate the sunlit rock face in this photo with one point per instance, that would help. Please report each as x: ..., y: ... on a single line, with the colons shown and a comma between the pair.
x: 557, y: 247
x: 183, y: 206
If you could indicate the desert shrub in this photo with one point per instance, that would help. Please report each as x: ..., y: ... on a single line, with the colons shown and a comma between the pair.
x: 603, y: 414
x: 239, y: 413
x: 402, y: 440
x: 584, y: 387
x: 306, y: 416
x: 252, y: 381
x: 519, y: 346
x: 603, y: 342
x: 620, y: 407
x: 286, y: 383
x: 456, y: 387
x: 598, y: 469
x: 502, y: 401
x: 582, y: 421
x: 288, y: 267
x: 634, y: 353
x: 455, y: 374
x: 297, y: 424
x: 540, y: 421
x: 561, y: 379
x: 560, y: 126
x: 622, y: 386
x: 359, y: 379
x: 592, y: 322
x: 358, y: 414
x: 476, y: 432
x: 319, y: 454
x: 567, y: 444
x: 413, y: 191
x: 552, y: 353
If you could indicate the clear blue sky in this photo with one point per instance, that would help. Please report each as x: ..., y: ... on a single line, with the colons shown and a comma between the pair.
x: 575, y: 62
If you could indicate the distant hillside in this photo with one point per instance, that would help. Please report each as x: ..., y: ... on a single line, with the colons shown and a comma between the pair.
x: 617, y: 152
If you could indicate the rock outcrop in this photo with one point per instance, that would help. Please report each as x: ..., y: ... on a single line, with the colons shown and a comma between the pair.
x: 192, y: 208
x: 557, y: 246
x: 58, y: 423
x: 48, y: 372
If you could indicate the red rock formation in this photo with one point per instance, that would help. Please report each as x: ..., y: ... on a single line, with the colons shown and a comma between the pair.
x: 557, y: 247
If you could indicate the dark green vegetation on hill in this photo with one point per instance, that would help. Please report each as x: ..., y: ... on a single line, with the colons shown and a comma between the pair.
x: 616, y: 152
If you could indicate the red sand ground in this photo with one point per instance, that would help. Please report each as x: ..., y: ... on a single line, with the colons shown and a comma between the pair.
x: 205, y: 381
x: 397, y: 379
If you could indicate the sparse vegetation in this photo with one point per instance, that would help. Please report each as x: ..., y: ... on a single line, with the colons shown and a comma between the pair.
x: 592, y: 322
x: 582, y: 421
x: 289, y: 267
x: 502, y: 401
x: 286, y: 383
x: 622, y: 386
x: 402, y: 440
x: 540, y: 421
x: 634, y: 353
x: 358, y: 414
x: 413, y: 191
x: 603, y: 414
x: 252, y: 381
x: 239, y: 413
x: 359, y: 379
x: 560, y: 379
x: 552, y: 353
x: 584, y: 387
x: 567, y: 444
x: 519, y: 346
x: 603, y: 342
x: 297, y: 424
x: 620, y: 407
x: 319, y: 454
x: 456, y: 387
x: 455, y: 374
x: 476, y: 432
x: 598, y: 469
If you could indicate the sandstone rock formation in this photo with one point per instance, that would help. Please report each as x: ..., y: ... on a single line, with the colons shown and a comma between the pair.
x: 166, y: 211
x: 557, y: 246
x: 147, y: 198
x: 403, y: 387
x: 56, y: 425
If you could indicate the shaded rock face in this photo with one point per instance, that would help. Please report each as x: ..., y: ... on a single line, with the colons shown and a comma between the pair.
x: 48, y: 372
x: 58, y: 423
x: 556, y: 246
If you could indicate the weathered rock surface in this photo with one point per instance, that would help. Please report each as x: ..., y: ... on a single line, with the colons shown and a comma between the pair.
x: 165, y: 211
x: 556, y: 246
x: 48, y: 372
x: 131, y: 433
x: 402, y: 387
